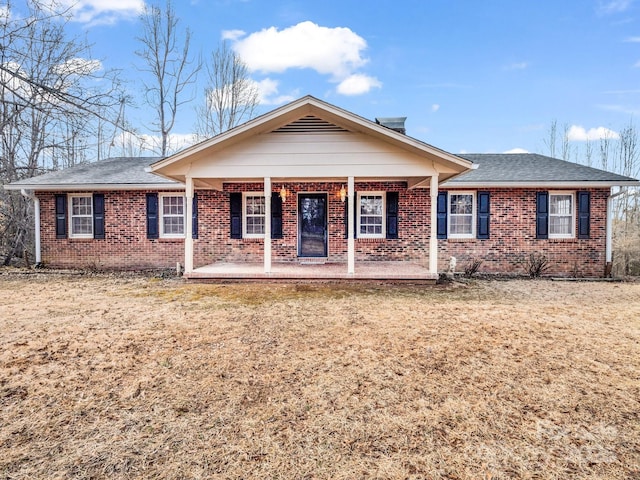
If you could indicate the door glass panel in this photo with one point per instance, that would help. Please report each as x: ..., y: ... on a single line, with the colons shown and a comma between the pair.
x: 312, y: 225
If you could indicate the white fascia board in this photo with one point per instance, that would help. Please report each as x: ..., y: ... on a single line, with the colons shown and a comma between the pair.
x: 96, y: 187
x: 599, y: 184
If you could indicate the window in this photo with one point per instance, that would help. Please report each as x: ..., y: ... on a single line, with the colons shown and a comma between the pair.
x: 561, y: 215
x: 461, y: 211
x: 81, y: 216
x: 172, y: 213
x: 254, y: 215
x: 371, y: 215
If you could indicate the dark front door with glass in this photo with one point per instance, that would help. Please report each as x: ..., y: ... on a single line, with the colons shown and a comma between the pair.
x: 312, y: 225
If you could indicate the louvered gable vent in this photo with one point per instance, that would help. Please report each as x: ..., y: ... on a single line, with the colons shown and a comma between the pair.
x: 310, y: 124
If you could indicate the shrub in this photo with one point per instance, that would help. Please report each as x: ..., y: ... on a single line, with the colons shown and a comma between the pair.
x: 536, y: 264
x: 472, y: 267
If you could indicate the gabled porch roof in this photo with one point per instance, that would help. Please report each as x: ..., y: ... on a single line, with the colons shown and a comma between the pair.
x: 305, y: 139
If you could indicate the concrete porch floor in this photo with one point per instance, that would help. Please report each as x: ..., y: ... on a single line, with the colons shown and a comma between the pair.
x: 397, y: 271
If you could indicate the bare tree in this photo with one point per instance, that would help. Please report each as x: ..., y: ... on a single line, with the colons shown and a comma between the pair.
x: 627, y: 206
x: 230, y: 97
x: 49, y: 106
x: 165, y: 54
x: 552, y: 138
x: 566, y: 146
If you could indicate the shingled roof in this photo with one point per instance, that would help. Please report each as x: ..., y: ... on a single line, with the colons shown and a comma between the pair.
x: 531, y: 168
x: 113, y: 173
x: 526, y: 169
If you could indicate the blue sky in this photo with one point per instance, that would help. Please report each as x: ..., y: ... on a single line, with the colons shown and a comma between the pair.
x: 471, y: 76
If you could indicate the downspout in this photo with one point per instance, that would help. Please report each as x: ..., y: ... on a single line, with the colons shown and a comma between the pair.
x: 609, y: 232
x: 36, y: 214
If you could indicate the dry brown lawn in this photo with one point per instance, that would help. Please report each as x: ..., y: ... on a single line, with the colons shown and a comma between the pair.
x: 136, y: 377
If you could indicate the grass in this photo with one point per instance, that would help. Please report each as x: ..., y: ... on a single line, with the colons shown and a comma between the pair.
x: 130, y: 377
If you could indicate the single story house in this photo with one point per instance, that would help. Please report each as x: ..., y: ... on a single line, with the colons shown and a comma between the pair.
x: 312, y: 190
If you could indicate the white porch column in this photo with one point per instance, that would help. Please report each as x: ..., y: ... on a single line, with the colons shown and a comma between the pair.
x: 433, y: 239
x: 267, y: 224
x: 188, y: 235
x: 351, y: 243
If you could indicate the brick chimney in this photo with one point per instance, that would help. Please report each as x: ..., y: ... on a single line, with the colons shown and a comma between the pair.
x: 394, y: 123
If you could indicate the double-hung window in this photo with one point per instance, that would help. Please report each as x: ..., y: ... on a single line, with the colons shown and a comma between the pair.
x: 81, y: 216
x: 561, y: 215
x: 461, y: 212
x: 172, y: 215
x: 253, y: 208
x: 371, y: 215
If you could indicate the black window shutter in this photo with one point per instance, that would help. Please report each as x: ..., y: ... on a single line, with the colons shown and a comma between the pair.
x: 392, y: 214
x: 442, y: 215
x: 235, y: 207
x: 346, y: 217
x: 584, y: 214
x: 61, y: 216
x: 356, y: 205
x: 484, y: 214
x: 194, y: 216
x: 542, y: 215
x: 276, y: 216
x: 152, y: 216
x: 98, y: 216
x: 355, y: 216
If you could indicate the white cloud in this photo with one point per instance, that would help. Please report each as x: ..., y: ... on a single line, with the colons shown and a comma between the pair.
x: 632, y: 40
x: 637, y: 64
x: 78, y: 66
x: 517, y: 150
x: 577, y: 133
x: 268, y: 93
x: 337, y: 52
x: 334, y: 51
x: 137, y: 144
x: 357, y: 84
x: 232, y: 35
x: 517, y: 66
x: 435, y: 107
x: 102, y: 12
x: 614, y: 6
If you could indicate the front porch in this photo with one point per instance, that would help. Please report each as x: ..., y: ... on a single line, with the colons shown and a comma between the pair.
x: 383, y: 271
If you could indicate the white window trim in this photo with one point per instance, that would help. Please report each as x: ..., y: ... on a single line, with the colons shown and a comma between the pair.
x: 474, y: 208
x: 161, y: 215
x: 244, y: 214
x: 572, y: 194
x: 70, y: 198
x: 383, y: 234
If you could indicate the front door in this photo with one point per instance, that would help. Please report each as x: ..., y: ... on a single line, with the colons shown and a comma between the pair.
x: 312, y: 225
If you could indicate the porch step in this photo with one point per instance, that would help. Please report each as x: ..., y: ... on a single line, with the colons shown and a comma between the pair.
x: 313, y: 261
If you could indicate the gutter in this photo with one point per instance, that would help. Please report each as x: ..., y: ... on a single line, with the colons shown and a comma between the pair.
x: 94, y: 187
x: 36, y: 208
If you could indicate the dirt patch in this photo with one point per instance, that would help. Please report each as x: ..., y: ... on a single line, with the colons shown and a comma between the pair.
x: 138, y: 377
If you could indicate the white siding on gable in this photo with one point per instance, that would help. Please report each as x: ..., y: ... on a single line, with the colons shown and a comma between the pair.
x: 312, y: 155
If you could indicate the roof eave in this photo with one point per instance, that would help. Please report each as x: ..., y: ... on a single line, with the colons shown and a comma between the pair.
x: 544, y: 184
x: 95, y: 187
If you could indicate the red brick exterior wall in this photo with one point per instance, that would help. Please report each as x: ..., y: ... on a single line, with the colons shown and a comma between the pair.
x: 512, y: 234
x: 513, y: 238
x: 125, y: 245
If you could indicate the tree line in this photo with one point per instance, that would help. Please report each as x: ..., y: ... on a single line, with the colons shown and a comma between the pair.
x: 59, y: 107
x: 617, y: 152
